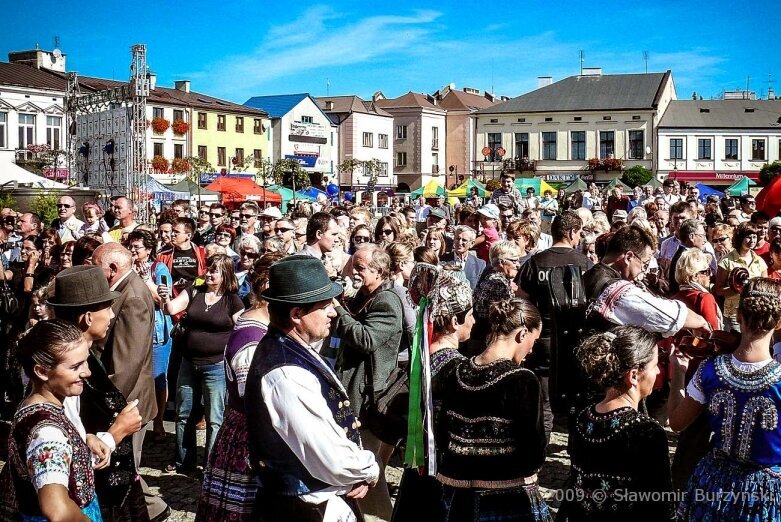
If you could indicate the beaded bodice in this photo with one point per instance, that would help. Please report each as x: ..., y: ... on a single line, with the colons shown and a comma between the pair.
x: 743, y: 409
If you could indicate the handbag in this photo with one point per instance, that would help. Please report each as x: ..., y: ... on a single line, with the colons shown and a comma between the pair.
x: 181, y: 325
x: 386, y: 412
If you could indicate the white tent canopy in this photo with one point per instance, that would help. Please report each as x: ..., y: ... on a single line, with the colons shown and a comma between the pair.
x: 11, y: 173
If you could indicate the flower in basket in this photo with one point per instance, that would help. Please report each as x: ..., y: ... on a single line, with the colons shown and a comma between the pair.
x: 594, y: 164
x: 160, y: 125
x: 159, y: 164
x: 180, y: 165
x: 180, y: 127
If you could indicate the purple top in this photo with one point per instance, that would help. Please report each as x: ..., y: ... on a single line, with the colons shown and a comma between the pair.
x: 238, y: 356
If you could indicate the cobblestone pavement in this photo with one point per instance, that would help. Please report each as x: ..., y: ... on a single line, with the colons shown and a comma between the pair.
x: 181, y: 491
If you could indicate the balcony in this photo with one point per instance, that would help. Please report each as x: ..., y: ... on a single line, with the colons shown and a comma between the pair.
x: 520, y: 164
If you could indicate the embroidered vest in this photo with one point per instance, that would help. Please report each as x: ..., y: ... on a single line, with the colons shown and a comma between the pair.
x: 279, y: 469
x: 28, y: 420
x: 595, y: 280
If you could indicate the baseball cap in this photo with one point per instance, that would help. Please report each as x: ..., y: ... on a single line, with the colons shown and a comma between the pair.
x: 489, y: 210
x: 437, y: 213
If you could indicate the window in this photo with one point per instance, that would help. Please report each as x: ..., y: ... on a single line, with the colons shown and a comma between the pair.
x: 731, y: 149
x: 239, y: 124
x: 157, y: 149
x: 26, y: 130
x: 758, y: 150
x: 549, y: 145
x: 220, y: 122
x: 383, y: 169
x: 202, y: 152
x: 435, y: 163
x: 368, y: 139
x: 676, y: 148
x: 578, y: 145
x: 401, y: 132
x: 521, y: 120
x: 636, y: 144
x: 239, y: 157
x: 221, y: 156
x: 53, y: 125
x: 178, y: 151
x: 257, y: 126
x: 522, y: 145
x: 434, y: 138
x: 257, y: 154
x: 157, y: 112
x: 548, y: 119
x: 178, y: 114
x: 494, y: 143
x: 704, y: 149
x: 607, y: 118
x: 578, y: 118
x: 201, y: 120
x: 401, y: 159
x: 3, y: 120
x: 382, y: 141
x: 607, y: 144
x: 307, y: 119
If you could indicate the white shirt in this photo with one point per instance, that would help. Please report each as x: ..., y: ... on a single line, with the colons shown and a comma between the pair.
x: 70, y: 230
x: 623, y: 303
x: 302, y: 418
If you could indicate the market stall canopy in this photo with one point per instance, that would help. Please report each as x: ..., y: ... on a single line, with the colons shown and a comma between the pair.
x: 740, y: 187
x: 617, y: 182
x: 287, y: 195
x: 769, y: 198
x: 653, y: 182
x: 431, y: 190
x: 706, y: 191
x: 160, y: 192
x: 576, y: 185
x: 538, y: 184
x: 241, y: 189
x: 192, y: 188
x: 465, y: 189
x: 11, y: 173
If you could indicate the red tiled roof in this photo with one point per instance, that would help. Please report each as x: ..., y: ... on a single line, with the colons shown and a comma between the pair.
x: 349, y: 104
x: 463, y: 100
x: 28, y: 76
x: 411, y: 99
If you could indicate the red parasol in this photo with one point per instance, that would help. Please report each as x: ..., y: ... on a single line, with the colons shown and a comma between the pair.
x: 769, y: 198
x: 241, y: 189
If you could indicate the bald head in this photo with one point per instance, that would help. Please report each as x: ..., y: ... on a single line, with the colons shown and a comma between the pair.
x: 114, y: 259
x: 66, y: 207
x: 123, y: 210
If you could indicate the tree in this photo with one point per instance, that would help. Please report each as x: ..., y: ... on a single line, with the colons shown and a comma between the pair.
x: 45, y: 205
x: 371, y: 168
x: 637, y: 175
x: 769, y: 171
x: 282, y: 170
x: 7, y: 200
x: 265, y: 165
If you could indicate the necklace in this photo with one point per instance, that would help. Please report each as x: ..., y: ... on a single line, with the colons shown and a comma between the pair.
x: 209, y: 306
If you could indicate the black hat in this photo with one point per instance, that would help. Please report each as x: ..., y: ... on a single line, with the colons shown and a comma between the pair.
x: 299, y: 279
x: 81, y: 286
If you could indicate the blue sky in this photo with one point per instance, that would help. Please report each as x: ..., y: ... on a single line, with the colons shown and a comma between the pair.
x: 238, y: 49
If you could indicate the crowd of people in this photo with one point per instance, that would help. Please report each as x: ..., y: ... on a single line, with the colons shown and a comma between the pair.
x: 314, y: 345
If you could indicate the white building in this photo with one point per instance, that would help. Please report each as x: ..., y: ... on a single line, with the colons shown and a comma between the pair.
x: 32, y: 106
x: 718, y: 141
x: 301, y: 130
x: 365, y: 133
x: 556, y: 129
x: 419, y: 139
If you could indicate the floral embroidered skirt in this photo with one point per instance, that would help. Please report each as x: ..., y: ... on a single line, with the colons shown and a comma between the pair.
x: 229, y: 484
x: 519, y: 504
x: 722, y: 489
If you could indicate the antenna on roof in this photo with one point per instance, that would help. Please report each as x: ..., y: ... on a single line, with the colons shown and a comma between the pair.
x: 582, y: 58
x: 645, y: 58
x: 327, y: 87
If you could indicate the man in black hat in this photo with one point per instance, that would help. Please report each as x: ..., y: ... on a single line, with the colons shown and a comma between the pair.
x: 303, y: 435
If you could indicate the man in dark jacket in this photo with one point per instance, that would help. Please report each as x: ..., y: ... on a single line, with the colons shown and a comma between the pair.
x: 370, y: 330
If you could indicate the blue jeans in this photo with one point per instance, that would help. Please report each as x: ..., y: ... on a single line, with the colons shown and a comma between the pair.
x: 196, y: 384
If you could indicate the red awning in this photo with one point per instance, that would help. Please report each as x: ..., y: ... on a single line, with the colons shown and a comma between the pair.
x: 705, y: 175
x: 241, y: 189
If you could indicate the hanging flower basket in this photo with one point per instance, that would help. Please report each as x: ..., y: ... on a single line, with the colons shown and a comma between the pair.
x: 160, y: 125
x: 159, y: 164
x: 180, y: 127
x: 180, y: 165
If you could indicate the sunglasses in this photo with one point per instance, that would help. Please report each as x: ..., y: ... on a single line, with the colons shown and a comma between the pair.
x: 387, y: 232
x: 203, y: 212
x: 720, y: 239
x: 282, y: 230
x: 361, y: 239
x: 246, y: 216
x: 706, y: 272
x: 63, y: 205
x: 212, y: 214
x: 222, y: 234
x: 250, y: 255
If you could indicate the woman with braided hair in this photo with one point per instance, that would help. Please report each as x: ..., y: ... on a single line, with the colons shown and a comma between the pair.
x: 617, y: 452
x: 740, y: 479
x: 490, y: 430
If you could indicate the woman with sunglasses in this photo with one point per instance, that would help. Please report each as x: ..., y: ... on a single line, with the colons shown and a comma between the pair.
x: 250, y: 248
x: 225, y: 235
x: 721, y: 238
x: 361, y: 234
x: 388, y: 230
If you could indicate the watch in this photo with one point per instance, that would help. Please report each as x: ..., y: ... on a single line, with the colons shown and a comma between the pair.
x: 29, y: 274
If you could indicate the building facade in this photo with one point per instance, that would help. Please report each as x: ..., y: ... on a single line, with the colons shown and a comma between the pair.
x: 300, y: 130
x: 590, y: 126
x: 718, y: 141
x: 365, y: 133
x: 419, y: 142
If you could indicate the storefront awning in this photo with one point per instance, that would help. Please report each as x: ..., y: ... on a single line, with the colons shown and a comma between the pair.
x: 706, y: 175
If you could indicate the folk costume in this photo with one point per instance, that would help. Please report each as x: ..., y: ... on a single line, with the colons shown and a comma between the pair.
x: 741, y: 478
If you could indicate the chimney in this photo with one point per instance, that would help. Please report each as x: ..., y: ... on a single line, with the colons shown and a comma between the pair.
x: 40, y: 59
x: 489, y: 96
x: 504, y: 98
x: 592, y: 71
x: 182, y: 85
x: 544, y: 81
x: 378, y: 96
x: 152, y: 81
x: 471, y: 90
